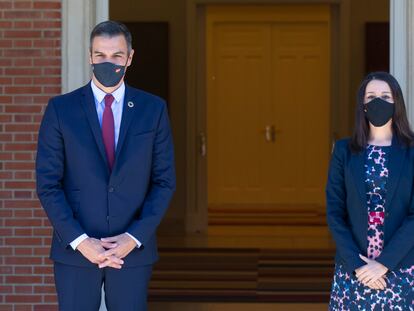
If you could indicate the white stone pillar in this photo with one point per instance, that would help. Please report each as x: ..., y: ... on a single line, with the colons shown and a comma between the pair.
x: 402, y: 49
x: 78, y: 19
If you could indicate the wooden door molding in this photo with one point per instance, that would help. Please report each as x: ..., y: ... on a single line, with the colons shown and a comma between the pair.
x: 196, y: 205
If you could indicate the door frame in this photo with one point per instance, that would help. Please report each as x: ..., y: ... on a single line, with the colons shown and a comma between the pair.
x: 196, y: 209
x: 402, y: 46
x: 78, y: 19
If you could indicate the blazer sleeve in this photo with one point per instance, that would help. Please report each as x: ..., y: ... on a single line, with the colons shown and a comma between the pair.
x: 337, y: 211
x: 401, y: 242
x: 50, y: 163
x: 162, y: 184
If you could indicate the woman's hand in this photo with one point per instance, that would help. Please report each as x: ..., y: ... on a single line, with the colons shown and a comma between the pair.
x: 372, y: 274
x: 380, y: 284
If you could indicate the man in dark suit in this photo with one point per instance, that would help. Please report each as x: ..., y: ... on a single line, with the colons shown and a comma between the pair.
x: 105, y: 177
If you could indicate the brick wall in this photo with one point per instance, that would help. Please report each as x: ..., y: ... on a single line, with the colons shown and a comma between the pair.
x: 30, y: 70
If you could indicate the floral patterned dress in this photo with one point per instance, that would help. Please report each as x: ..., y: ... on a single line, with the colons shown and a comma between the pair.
x: 347, y: 292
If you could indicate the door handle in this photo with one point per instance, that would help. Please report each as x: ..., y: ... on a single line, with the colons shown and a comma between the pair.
x: 270, y: 133
x: 203, y: 144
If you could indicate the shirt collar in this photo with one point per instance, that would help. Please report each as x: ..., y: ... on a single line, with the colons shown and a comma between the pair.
x: 99, y: 94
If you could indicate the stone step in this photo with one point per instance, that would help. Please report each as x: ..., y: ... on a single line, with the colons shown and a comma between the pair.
x: 242, y: 274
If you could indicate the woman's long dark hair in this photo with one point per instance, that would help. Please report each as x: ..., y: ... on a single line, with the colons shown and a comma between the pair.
x: 400, y: 126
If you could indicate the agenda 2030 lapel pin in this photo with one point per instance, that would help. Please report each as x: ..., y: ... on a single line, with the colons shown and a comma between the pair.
x: 130, y: 104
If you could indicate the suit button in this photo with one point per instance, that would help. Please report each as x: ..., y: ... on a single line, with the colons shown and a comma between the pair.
x: 111, y: 189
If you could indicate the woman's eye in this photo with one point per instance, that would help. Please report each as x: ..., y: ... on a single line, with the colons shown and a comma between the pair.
x: 370, y: 97
x: 386, y: 97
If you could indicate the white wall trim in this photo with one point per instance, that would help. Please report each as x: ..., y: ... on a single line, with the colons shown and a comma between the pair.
x: 102, y: 11
x: 402, y: 49
x: 410, y: 61
x: 78, y: 19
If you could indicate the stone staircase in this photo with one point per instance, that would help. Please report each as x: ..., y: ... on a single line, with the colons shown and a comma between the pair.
x: 189, y: 274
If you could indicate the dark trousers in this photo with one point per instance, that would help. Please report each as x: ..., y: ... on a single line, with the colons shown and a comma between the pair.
x: 79, y: 288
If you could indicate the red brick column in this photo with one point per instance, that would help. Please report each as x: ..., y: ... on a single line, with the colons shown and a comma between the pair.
x: 30, y: 73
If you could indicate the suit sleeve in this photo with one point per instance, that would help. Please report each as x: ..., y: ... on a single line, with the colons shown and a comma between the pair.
x: 50, y: 162
x: 337, y: 211
x: 401, y: 242
x: 162, y: 184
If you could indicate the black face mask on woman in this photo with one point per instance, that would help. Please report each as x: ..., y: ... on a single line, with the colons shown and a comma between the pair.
x: 379, y: 111
x: 108, y: 74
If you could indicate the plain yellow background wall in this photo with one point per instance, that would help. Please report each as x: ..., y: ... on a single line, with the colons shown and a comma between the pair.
x: 362, y: 12
x: 174, y: 12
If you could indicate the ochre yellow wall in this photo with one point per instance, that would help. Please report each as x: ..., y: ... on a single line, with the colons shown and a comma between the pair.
x: 362, y: 11
x: 172, y: 12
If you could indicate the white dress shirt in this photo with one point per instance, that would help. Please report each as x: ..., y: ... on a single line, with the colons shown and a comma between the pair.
x: 117, y: 107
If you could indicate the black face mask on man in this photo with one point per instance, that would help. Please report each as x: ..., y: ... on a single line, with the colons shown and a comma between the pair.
x: 109, y: 74
x: 379, y: 111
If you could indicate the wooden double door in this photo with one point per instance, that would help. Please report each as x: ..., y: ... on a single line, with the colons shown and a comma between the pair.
x: 268, y: 109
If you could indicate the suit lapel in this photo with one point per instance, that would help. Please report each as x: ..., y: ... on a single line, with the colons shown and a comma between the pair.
x: 358, y: 172
x: 128, y: 111
x: 88, y: 106
x: 395, y: 165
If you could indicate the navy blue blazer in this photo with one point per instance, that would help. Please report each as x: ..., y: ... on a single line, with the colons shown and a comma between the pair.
x: 347, y: 214
x: 76, y: 188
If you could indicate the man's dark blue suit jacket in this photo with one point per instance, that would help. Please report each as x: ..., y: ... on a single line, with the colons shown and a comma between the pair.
x: 347, y: 207
x: 76, y: 188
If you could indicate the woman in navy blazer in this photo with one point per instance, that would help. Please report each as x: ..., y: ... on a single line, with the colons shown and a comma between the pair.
x: 370, y: 203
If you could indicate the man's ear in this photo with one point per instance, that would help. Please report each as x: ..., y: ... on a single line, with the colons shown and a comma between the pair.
x: 131, y: 54
x: 90, y: 58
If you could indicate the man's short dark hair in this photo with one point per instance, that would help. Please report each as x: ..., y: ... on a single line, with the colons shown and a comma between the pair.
x: 111, y: 29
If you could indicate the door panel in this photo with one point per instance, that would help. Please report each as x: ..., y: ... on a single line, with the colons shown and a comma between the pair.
x: 300, y: 102
x: 267, y: 107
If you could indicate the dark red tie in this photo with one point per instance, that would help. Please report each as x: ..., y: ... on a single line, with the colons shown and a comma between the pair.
x: 108, y: 130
